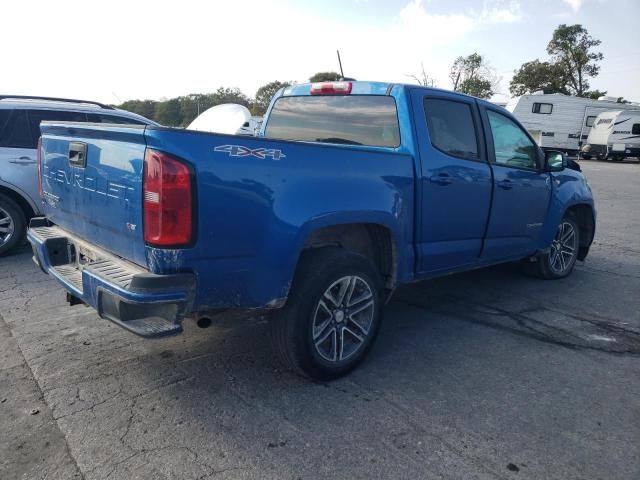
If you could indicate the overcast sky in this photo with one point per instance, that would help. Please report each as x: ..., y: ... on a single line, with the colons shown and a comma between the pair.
x: 116, y: 50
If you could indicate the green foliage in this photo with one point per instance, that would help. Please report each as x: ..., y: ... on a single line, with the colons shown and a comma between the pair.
x: 325, y: 77
x: 169, y: 112
x: 573, y: 61
x: 264, y: 95
x: 181, y: 111
x: 473, y: 76
x: 571, y: 47
x: 596, y: 94
x: 536, y: 75
x: 477, y: 87
x: 146, y: 108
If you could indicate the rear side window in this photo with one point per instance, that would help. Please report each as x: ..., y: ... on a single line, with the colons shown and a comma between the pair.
x: 37, y: 116
x: 545, y: 108
x: 347, y: 119
x: 451, y: 127
x: 101, y: 118
x: 590, y: 120
x: 15, y: 132
x: 4, y: 118
x: 635, y: 130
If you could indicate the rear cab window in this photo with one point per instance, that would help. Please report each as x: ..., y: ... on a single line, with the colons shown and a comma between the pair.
x: 370, y: 120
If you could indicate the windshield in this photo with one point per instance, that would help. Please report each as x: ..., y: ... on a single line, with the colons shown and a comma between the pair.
x: 346, y: 119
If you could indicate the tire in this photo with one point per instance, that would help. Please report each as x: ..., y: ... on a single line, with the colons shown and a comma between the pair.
x: 586, y: 156
x: 13, y: 225
x: 334, y: 310
x: 563, y: 252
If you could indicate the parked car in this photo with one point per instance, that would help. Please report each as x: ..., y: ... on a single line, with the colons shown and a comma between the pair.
x: 20, y: 118
x: 352, y: 189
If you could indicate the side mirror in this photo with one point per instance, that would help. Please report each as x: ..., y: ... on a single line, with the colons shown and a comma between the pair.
x: 555, y: 161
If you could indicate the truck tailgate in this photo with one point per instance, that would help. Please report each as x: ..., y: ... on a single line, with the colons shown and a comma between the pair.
x: 92, y: 184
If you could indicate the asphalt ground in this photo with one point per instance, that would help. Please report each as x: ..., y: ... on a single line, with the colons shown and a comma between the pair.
x: 489, y: 374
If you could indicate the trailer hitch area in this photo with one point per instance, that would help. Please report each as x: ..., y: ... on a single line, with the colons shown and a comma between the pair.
x: 73, y: 300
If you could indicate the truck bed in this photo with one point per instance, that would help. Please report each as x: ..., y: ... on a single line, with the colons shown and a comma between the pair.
x: 250, y: 218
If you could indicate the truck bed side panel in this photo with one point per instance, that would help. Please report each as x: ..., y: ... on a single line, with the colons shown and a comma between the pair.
x: 259, y: 199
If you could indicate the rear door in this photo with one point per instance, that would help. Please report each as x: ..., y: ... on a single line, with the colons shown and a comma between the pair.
x: 18, y: 153
x: 92, y: 184
x: 454, y: 182
x: 522, y: 190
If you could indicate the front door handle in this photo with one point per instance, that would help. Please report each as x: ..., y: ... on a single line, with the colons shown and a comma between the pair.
x: 24, y: 160
x: 505, y: 184
x: 441, y: 179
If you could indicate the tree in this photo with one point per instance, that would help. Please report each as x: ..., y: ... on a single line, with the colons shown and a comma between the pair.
x: 264, y: 95
x: 477, y: 87
x: 229, y: 95
x: 146, y: 108
x: 473, y: 76
x: 169, y: 113
x: 423, y: 78
x: 571, y: 48
x: 536, y: 75
x: 325, y: 77
x: 596, y: 94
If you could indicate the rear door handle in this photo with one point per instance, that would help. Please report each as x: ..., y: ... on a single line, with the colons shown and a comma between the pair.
x: 441, y: 179
x: 24, y: 160
x: 505, y: 184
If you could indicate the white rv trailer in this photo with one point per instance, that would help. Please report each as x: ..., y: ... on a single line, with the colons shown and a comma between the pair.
x: 614, y: 135
x: 561, y: 122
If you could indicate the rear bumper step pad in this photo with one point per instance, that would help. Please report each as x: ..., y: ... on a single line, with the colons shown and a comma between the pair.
x: 144, y: 303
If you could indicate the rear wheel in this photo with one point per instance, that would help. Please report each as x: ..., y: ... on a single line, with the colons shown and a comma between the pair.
x: 13, y: 224
x: 563, y: 252
x: 332, y: 315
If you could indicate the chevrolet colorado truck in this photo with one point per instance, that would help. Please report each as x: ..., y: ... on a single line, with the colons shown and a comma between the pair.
x: 351, y: 189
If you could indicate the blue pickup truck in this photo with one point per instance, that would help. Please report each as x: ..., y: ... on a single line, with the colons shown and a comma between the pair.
x: 351, y: 189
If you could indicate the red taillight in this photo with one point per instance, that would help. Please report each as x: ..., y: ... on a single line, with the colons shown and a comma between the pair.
x: 167, y: 201
x: 331, y: 88
x: 39, y: 163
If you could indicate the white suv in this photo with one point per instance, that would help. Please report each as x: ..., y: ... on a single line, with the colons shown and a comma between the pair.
x: 20, y: 119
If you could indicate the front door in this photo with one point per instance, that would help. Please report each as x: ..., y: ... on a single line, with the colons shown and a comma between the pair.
x: 522, y: 190
x: 454, y: 189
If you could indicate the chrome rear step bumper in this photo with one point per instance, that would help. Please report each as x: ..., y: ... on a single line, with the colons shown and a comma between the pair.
x: 144, y: 303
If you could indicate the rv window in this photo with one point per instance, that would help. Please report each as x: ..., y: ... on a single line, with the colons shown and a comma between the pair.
x: 635, y: 130
x: 545, y: 108
x: 590, y: 120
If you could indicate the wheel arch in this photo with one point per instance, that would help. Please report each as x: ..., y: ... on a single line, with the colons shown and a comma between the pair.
x: 374, y: 238
x: 585, y: 216
x: 23, y: 202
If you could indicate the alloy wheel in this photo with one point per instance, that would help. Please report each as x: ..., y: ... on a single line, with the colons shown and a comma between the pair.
x: 563, y: 248
x: 343, y: 318
x: 7, y: 227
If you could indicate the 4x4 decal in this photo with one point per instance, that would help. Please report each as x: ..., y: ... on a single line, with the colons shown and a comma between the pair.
x: 242, y: 151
